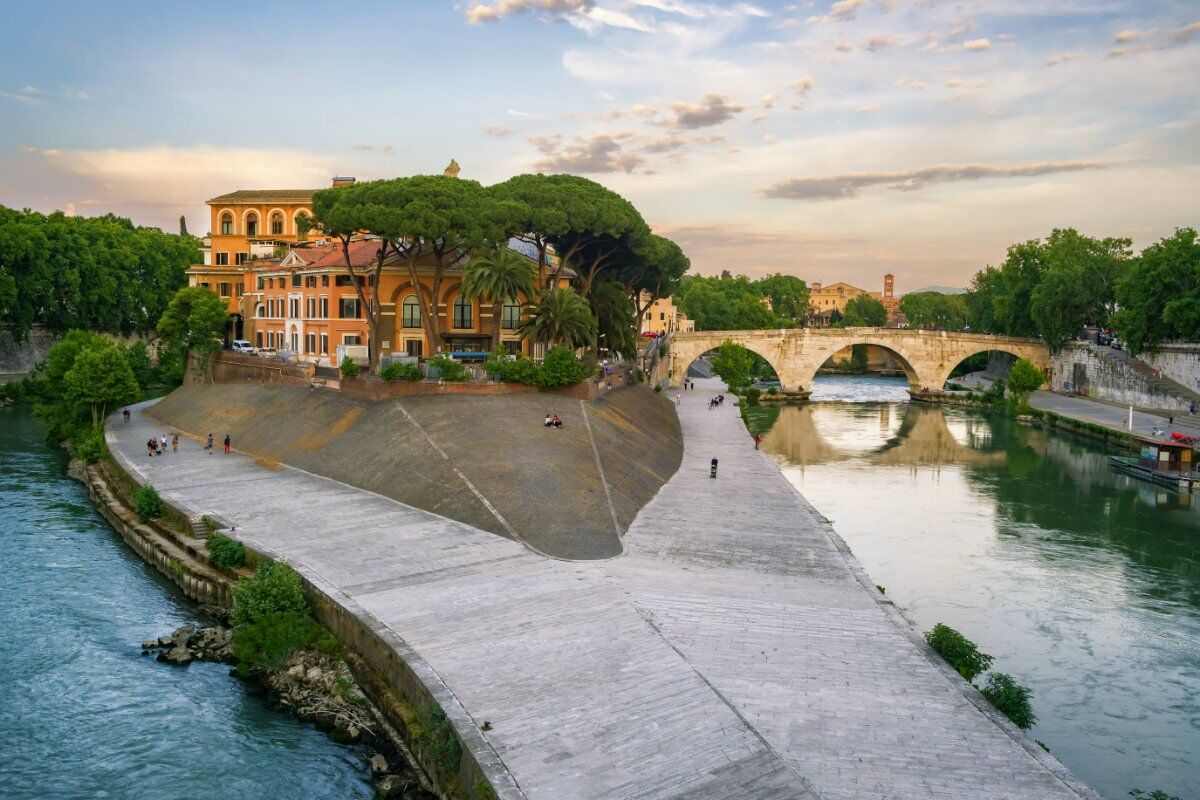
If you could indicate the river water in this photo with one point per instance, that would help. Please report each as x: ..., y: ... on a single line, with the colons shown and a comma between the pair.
x: 1083, y: 583
x: 84, y: 713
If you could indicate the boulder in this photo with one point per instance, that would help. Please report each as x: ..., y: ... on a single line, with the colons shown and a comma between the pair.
x: 379, y: 765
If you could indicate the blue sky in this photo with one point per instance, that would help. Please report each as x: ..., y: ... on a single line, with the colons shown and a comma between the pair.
x: 831, y: 140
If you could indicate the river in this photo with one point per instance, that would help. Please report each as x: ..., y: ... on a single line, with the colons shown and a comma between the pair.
x: 85, y: 714
x: 1083, y: 583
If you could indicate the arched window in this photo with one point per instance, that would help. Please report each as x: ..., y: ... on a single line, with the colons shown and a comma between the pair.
x: 411, y: 312
x: 252, y: 225
x: 301, y: 222
x: 260, y: 311
x: 227, y: 224
x: 512, y: 315
x: 462, y: 313
x: 277, y: 224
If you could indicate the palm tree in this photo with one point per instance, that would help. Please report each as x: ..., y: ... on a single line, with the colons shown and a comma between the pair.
x: 560, y: 316
x: 498, y: 275
x: 615, y: 318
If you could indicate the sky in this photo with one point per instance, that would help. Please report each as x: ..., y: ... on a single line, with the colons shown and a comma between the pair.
x: 828, y: 140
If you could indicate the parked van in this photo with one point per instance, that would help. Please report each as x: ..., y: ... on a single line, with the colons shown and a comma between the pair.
x: 241, y: 346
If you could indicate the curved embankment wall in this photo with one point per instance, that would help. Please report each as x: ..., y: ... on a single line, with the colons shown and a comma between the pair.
x: 487, y: 461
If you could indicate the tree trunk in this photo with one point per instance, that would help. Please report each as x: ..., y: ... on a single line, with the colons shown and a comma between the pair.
x: 497, y: 307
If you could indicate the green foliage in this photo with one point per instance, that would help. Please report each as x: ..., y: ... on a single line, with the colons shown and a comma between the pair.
x: 935, y: 310
x: 958, y: 651
x: 349, y: 368
x: 483, y: 790
x: 1157, y: 794
x: 434, y: 737
x: 88, y: 445
x: 496, y: 276
x: 195, y: 321
x: 275, y: 588
x: 511, y: 369
x: 99, y: 380
x: 616, y: 322
x: 448, y: 369
x: 560, y: 316
x: 267, y: 641
x: 147, y: 504
x: 733, y: 364
x: 753, y: 393
x: 1010, y: 698
x: 96, y: 273
x: 864, y: 311
x: 1024, y: 378
x: 560, y: 368
x: 732, y: 303
x: 397, y: 371
x: 1159, y: 296
x: 224, y: 552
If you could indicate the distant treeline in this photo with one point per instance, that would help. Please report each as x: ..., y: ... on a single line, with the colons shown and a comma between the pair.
x: 91, y: 273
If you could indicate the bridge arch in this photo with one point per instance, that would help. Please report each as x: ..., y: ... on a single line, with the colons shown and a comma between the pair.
x: 683, y: 355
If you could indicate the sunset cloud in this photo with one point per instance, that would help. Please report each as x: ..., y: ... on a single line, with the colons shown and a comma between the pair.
x: 713, y: 109
x: 585, y: 155
x: 480, y: 12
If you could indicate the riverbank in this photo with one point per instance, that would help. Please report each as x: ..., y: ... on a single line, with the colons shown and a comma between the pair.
x: 623, y: 678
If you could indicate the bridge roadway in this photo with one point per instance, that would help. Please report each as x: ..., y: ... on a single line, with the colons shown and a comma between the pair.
x: 734, y: 650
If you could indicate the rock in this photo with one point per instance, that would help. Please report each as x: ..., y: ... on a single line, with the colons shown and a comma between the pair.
x: 179, y: 655
x: 379, y: 765
x: 77, y: 470
x: 390, y: 786
x: 353, y: 734
x: 314, y: 674
x: 150, y: 645
x: 296, y: 671
x: 165, y: 641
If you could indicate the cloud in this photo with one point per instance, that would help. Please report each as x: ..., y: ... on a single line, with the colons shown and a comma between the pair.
x: 642, y: 110
x: 804, y: 85
x: 1185, y: 34
x: 866, y: 109
x: 910, y: 83
x: 512, y: 112
x: 1062, y: 59
x: 845, y: 9
x: 28, y: 96
x: 713, y: 109
x: 879, y: 41
x: 595, y: 154
x: 1123, y: 37
x: 373, y: 148
x: 478, y: 12
x: 844, y: 47
x: 498, y: 130
x: 840, y: 187
x: 975, y: 45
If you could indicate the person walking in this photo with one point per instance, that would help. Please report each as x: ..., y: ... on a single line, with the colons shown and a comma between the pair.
x: 175, y: 443
x: 209, y: 445
x: 712, y: 469
x: 125, y: 413
x: 227, y: 444
x: 162, y: 444
x: 757, y: 439
x: 678, y: 399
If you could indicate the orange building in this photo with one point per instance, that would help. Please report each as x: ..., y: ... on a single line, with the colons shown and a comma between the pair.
x: 824, y: 300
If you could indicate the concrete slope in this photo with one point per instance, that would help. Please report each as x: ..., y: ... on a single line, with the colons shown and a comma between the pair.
x: 487, y: 461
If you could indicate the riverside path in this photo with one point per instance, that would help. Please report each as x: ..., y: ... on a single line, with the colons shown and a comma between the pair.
x: 734, y: 650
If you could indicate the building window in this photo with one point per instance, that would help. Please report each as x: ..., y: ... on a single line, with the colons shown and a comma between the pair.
x: 324, y: 307
x: 222, y: 259
x: 295, y: 342
x: 411, y: 312
x: 324, y: 344
x: 294, y: 307
x: 301, y: 226
x: 240, y: 258
x: 252, y: 225
x: 343, y: 280
x: 259, y: 311
x: 262, y: 282
x: 277, y: 224
x: 295, y: 280
x: 310, y: 281
x: 462, y: 313
x: 324, y: 280
x: 351, y: 339
x: 512, y: 315
x: 310, y: 343
x: 512, y: 348
x: 204, y: 284
x: 310, y: 307
x: 414, y: 347
x: 223, y: 289
x: 348, y: 308
x: 258, y: 340
x: 227, y: 224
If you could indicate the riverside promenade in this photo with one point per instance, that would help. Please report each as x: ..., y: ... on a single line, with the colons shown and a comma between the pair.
x: 733, y: 650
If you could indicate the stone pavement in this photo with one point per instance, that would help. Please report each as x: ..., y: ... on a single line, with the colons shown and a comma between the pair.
x: 735, y: 649
x: 1113, y: 416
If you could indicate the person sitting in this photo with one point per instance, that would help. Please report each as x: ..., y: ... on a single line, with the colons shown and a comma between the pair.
x: 549, y: 421
x: 556, y: 421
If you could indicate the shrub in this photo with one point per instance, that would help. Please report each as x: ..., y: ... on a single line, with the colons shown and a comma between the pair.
x: 147, y: 503
x: 958, y: 651
x: 88, y: 445
x: 657, y: 388
x: 772, y: 390
x: 349, y: 368
x: 1024, y: 378
x: 225, y: 553
x: 1011, y: 699
x: 1157, y: 794
x: 397, y: 371
x: 436, y: 739
x: 523, y: 370
x: 275, y: 588
x: 753, y: 393
x: 448, y: 369
x: 560, y: 368
x: 266, y: 642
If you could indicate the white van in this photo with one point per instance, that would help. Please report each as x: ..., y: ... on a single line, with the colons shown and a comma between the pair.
x: 241, y: 346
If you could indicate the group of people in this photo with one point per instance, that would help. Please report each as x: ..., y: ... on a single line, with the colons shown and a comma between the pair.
x: 208, y: 444
x: 552, y: 421
x: 158, y: 446
x: 716, y: 401
x: 688, y: 384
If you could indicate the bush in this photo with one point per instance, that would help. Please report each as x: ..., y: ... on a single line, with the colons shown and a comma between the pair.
x: 267, y: 642
x: 753, y: 393
x: 523, y: 370
x: 1011, y: 699
x: 275, y: 588
x: 88, y: 445
x: 657, y: 389
x: 448, y: 369
x: 772, y: 390
x: 397, y: 371
x: 958, y: 651
x: 436, y: 740
x: 349, y: 368
x: 147, y: 503
x: 560, y: 368
x: 225, y: 553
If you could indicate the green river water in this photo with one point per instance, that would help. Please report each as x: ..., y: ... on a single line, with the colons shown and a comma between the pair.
x: 1083, y: 583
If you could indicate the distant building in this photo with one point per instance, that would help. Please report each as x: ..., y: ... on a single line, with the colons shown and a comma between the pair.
x: 823, y: 301
x: 664, y: 317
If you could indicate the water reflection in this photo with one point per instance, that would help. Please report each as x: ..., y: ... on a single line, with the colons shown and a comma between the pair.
x: 1083, y: 582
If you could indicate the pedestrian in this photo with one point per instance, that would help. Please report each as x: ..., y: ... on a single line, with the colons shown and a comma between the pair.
x: 678, y: 399
x: 125, y: 413
x: 208, y: 446
x: 227, y: 444
x: 163, y: 443
x: 175, y: 443
x: 757, y: 439
x: 712, y: 469
x: 1170, y: 421
x: 1193, y: 407
x: 150, y: 447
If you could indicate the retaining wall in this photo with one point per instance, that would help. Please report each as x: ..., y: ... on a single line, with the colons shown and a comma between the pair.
x: 1077, y: 369
x: 1179, y: 362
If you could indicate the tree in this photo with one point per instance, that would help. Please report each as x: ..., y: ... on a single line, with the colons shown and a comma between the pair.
x: 1077, y: 285
x: 986, y: 288
x: 182, y: 225
x: 616, y: 324
x: 1024, y: 378
x: 864, y: 311
x: 725, y: 304
x: 934, y: 310
x: 733, y: 364
x: 560, y: 316
x: 600, y: 230
x: 540, y: 210
x: 1159, y: 295
x: 496, y: 276
x: 100, y: 379
x: 789, y: 297
x: 654, y: 274
x: 195, y: 322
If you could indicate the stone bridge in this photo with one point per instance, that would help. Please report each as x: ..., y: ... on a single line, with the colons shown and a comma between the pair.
x: 796, y: 354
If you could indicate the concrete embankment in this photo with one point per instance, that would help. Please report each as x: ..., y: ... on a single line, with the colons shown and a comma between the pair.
x: 486, y: 461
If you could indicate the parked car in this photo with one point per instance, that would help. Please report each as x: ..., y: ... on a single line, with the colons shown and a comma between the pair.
x: 267, y: 352
x: 241, y: 346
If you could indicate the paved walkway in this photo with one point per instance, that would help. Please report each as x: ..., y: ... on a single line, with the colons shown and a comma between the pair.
x: 1112, y: 416
x: 735, y: 650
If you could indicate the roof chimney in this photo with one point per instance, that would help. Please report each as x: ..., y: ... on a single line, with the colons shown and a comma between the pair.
x: 343, y: 182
